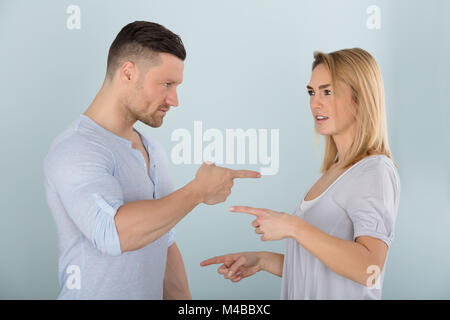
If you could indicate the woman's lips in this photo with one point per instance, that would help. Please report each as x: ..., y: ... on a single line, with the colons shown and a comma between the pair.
x: 320, y: 120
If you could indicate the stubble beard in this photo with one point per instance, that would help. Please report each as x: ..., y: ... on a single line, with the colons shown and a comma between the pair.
x: 153, y: 120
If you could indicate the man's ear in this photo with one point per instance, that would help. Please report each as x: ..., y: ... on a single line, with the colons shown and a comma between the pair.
x: 127, y: 71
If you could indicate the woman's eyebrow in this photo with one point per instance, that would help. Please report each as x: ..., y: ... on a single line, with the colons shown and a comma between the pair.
x: 322, y: 86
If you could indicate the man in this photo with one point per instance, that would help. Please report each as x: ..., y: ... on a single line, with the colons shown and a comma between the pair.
x: 108, y: 186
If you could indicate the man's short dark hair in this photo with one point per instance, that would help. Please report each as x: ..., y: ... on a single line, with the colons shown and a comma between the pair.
x: 142, y: 39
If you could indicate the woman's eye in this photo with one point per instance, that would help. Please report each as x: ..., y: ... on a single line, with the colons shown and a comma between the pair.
x: 311, y: 93
x: 327, y: 92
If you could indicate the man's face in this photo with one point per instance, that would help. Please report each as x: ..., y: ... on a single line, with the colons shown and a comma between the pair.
x: 154, y: 92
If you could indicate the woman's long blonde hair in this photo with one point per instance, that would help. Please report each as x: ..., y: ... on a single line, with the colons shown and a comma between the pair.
x: 359, y: 70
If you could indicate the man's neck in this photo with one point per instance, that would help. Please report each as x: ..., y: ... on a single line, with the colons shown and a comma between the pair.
x: 106, y: 112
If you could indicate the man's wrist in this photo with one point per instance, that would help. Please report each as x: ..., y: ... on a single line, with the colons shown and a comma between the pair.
x: 195, y: 192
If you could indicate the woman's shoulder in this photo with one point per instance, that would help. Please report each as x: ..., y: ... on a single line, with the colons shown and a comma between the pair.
x: 377, y: 169
x: 373, y: 177
x: 374, y: 163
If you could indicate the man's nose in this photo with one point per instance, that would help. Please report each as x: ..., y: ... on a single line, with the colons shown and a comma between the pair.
x: 172, y: 99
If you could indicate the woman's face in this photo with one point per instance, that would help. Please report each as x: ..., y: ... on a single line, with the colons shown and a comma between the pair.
x: 333, y: 104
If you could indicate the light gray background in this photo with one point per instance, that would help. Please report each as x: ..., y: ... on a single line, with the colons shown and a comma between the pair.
x: 247, y: 67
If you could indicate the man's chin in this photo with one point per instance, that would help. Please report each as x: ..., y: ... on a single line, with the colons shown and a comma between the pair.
x: 153, y: 123
x: 156, y: 125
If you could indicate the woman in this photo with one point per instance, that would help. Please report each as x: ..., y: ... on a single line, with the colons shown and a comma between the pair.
x: 339, y: 235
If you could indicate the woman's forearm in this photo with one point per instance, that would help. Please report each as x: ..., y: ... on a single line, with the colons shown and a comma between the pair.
x: 176, y: 285
x: 347, y: 258
x: 272, y: 262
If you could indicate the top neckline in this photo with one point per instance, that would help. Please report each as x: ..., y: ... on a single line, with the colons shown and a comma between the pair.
x: 338, y: 178
x: 115, y: 136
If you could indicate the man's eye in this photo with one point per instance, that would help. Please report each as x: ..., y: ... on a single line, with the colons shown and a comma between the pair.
x: 311, y: 93
x: 327, y: 92
x: 166, y: 84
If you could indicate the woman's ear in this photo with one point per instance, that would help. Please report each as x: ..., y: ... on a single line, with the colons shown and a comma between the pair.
x: 355, y: 99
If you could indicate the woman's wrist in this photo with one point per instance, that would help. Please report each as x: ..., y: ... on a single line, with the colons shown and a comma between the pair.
x: 260, y: 260
x: 270, y: 262
x: 263, y: 259
x: 295, y: 226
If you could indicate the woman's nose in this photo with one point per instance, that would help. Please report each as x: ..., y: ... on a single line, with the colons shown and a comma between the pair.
x: 315, y: 102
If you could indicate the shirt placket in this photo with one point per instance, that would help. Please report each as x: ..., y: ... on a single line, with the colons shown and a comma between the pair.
x: 152, y: 165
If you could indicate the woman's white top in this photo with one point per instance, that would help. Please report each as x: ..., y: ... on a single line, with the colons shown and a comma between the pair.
x: 363, y: 201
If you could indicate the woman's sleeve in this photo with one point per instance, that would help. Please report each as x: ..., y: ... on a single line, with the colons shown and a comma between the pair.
x: 373, y: 203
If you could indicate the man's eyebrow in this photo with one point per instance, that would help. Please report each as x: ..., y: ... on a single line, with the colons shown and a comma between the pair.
x: 322, y: 86
x: 172, y: 81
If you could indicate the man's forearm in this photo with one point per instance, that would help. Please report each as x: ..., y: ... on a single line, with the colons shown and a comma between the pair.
x: 142, y: 222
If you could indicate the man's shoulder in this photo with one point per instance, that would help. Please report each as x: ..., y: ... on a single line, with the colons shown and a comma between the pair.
x: 73, y: 144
